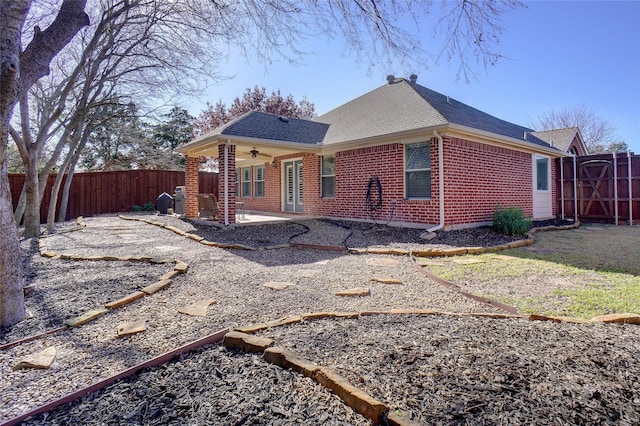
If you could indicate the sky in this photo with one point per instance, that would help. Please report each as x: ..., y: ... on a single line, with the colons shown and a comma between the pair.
x: 558, y: 54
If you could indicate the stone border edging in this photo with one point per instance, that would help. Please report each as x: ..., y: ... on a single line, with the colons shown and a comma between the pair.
x: 242, y: 338
x: 459, y: 251
x: 165, y: 280
x: 194, y: 237
x: 431, y: 252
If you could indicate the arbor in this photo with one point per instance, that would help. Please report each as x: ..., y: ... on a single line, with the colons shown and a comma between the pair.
x: 255, y: 99
x: 19, y: 70
x: 599, y: 134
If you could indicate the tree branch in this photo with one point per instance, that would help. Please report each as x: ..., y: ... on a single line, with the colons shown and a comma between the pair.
x: 35, y: 60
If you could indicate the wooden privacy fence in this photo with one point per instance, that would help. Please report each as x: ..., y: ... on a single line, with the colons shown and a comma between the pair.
x: 112, y: 192
x: 600, y: 188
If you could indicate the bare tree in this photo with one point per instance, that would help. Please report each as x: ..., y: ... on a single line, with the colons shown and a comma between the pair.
x: 19, y: 70
x: 255, y: 99
x: 598, y: 133
x: 150, y: 48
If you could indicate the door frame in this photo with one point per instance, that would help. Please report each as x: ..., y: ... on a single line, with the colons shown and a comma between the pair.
x: 298, y: 185
x: 542, y: 202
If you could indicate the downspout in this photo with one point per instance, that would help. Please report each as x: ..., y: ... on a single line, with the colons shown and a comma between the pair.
x: 440, y: 182
x: 630, y: 187
x: 226, y: 182
x: 615, y: 186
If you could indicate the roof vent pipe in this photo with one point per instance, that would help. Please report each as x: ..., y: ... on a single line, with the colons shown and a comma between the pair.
x: 413, y: 78
x: 391, y: 78
x: 525, y: 136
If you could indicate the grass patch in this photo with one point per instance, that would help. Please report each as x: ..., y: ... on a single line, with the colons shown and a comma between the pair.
x: 623, y: 295
x: 580, y: 273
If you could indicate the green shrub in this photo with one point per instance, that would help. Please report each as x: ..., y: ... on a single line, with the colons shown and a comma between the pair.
x: 510, y: 221
x: 148, y: 207
x: 135, y: 208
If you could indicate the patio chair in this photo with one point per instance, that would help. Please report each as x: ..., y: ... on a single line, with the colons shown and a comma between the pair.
x: 207, y: 206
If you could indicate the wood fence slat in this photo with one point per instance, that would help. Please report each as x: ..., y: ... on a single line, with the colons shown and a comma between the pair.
x: 94, y: 193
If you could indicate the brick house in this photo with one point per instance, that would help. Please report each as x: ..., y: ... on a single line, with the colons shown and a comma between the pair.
x: 379, y: 156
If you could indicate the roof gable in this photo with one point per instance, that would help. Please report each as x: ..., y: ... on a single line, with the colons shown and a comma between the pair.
x: 559, y: 138
x: 402, y: 106
x: 389, y: 109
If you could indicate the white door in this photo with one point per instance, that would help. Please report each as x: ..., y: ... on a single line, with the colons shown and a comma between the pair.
x: 292, y: 186
x: 542, y: 201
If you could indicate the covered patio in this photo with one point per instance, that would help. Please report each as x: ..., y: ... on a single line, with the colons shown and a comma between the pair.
x: 261, y: 166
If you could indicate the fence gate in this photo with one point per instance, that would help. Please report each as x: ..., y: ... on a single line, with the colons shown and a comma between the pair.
x: 600, y: 188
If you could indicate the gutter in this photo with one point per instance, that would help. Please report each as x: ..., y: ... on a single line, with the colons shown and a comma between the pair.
x: 195, y: 147
x: 440, y: 182
x: 509, y: 141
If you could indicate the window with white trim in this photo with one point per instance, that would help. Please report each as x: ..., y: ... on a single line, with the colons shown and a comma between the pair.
x: 542, y: 173
x: 258, y: 181
x: 417, y: 170
x: 237, y: 183
x: 328, y: 176
x: 246, y: 182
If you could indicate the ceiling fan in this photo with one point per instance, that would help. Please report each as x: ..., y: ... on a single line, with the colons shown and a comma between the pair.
x: 254, y: 153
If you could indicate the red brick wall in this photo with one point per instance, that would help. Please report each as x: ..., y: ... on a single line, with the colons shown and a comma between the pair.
x: 230, y: 174
x: 272, y: 189
x: 192, y: 186
x: 477, y: 178
x: 353, y: 170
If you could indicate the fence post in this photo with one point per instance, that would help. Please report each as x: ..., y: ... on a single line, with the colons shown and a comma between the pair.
x: 615, y: 187
x: 630, y: 187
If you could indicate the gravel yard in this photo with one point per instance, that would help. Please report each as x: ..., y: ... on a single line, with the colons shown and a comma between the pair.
x: 259, y: 393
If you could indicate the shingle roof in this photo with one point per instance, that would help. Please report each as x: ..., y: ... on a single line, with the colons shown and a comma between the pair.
x: 558, y: 138
x: 459, y: 113
x: 263, y: 125
x: 389, y: 109
x: 393, y: 108
x: 402, y: 106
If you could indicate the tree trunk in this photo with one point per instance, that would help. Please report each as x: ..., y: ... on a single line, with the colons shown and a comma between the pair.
x: 32, y: 210
x: 17, y: 74
x: 22, y: 204
x: 11, y: 280
x: 64, y: 202
x: 12, y: 16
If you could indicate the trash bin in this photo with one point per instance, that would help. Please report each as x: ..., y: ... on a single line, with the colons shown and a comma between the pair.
x: 178, y: 199
x: 164, y: 203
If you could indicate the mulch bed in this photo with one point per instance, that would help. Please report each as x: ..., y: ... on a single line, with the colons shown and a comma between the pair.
x: 439, y: 369
x: 469, y: 370
x: 358, y: 235
x: 208, y: 386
